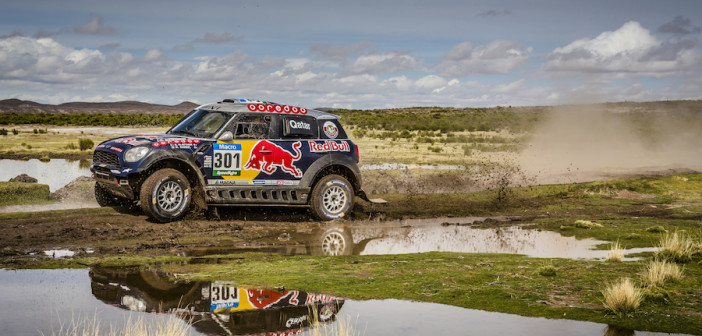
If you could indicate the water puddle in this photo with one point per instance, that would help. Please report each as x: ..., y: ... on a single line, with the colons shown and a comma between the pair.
x: 466, y: 235
x: 39, y: 301
x: 59, y: 254
x: 55, y: 173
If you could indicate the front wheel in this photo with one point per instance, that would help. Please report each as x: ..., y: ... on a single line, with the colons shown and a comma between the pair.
x: 332, y: 198
x: 165, y: 195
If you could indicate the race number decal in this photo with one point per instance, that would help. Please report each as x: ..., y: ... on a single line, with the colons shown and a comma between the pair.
x: 226, y: 160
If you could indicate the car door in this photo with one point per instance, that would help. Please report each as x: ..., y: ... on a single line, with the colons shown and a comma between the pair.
x: 265, y: 150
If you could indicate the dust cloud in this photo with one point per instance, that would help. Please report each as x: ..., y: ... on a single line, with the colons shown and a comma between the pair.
x: 581, y: 143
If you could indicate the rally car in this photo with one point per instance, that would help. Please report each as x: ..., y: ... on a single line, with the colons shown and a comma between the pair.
x: 233, y: 152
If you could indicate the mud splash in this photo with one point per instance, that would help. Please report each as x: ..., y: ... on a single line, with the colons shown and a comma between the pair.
x: 579, y: 143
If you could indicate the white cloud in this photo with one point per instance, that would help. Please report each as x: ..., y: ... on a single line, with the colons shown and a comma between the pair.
x: 386, y: 63
x: 47, y: 71
x: 628, y: 51
x: 497, y: 57
x: 430, y: 82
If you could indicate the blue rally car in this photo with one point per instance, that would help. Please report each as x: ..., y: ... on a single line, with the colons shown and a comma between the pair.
x: 234, y: 152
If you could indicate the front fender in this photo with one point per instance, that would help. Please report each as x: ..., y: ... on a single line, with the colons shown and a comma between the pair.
x: 165, y: 155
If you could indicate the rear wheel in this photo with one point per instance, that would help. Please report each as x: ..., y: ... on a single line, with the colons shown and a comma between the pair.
x: 165, y: 195
x: 332, y: 198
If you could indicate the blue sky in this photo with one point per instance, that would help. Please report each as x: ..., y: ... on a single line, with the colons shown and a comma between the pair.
x: 358, y: 54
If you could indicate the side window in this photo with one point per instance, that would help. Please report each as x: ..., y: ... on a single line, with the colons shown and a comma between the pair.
x: 300, y: 127
x: 251, y: 126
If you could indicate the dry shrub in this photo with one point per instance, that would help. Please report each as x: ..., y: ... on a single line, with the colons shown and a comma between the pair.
x: 676, y: 247
x: 342, y: 326
x: 660, y: 271
x: 169, y: 326
x: 622, y: 296
x: 616, y: 253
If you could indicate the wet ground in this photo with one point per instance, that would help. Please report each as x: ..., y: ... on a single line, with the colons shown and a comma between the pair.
x: 43, y: 237
x: 33, y: 305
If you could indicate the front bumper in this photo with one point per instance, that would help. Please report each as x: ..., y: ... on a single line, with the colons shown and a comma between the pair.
x: 118, y: 186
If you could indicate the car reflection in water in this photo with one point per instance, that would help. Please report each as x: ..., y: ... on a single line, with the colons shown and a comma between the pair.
x: 216, y: 308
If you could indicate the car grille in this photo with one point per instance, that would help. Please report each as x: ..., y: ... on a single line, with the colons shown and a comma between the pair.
x: 106, y: 158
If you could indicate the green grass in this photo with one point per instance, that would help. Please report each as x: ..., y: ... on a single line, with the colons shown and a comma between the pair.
x: 14, y: 193
x: 494, y: 282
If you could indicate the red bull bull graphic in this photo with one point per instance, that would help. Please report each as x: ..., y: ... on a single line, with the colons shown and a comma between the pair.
x: 268, y: 157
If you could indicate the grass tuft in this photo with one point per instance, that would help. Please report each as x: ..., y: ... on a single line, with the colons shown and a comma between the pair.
x: 546, y: 270
x: 586, y: 224
x: 676, y: 247
x: 622, y: 297
x: 616, y: 253
x: 170, y: 326
x: 341, y: 327
x: 656, y: 229
x: 660, y: 271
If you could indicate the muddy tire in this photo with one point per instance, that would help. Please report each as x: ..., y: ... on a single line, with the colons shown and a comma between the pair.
x: 165, y: 195
x: 331, y: 198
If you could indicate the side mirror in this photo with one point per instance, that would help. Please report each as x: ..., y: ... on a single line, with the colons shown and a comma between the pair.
x: 226, y: 136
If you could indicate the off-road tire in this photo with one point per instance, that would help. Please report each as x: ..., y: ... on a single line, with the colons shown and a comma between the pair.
x: 165, y: 195
x: 331, y: 198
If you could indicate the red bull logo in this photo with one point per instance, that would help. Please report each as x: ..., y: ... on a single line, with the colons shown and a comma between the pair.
x: 329, y: 146
x: 268, y: 157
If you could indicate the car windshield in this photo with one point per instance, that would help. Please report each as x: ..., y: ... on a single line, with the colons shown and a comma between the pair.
x: 201, y: 124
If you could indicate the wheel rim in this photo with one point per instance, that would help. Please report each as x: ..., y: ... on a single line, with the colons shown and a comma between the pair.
x: 169, y: 196
x: 334, y: 199
x: 333, y: 244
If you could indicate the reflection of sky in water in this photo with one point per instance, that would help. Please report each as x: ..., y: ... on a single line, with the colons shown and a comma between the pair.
x: 39, y: 301
x: 467, y: 239
x: 55, y: 173
x: 35, y: 301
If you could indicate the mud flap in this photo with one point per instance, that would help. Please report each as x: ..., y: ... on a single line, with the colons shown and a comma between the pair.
x: 363, y: 196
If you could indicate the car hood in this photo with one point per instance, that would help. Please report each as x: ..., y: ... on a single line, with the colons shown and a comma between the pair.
x: 157, y: 141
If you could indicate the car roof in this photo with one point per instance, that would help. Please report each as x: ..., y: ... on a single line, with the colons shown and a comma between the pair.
x: 250, y: 105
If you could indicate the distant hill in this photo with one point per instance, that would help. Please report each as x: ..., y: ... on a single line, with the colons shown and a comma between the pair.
x: 123, y: 107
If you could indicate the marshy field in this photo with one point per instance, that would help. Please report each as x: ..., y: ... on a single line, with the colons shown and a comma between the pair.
x: 589, y: 216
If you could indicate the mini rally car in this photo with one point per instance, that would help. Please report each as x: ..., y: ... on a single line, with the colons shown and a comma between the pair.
x: 234, y: 152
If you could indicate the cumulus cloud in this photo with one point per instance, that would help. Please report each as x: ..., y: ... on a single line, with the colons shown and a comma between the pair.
x: 497, y: 57
x: 385, y: 63
x: 679, y: 26
x: 628, y: 51
x: 94, y: 26
x: 45, y: 70
x: 29, y: 68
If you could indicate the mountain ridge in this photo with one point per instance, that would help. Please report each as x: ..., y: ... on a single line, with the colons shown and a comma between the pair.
x: 14, y: 105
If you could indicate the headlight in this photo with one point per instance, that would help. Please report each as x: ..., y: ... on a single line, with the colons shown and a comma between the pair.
x: 137, y: 153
